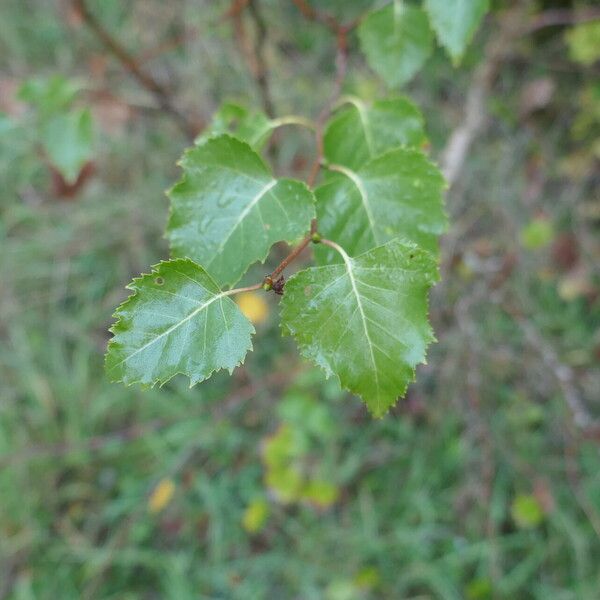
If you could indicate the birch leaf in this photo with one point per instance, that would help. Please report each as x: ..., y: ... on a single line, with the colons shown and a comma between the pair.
x: 176, y: 321
x: 398, y: 194
x: 228, y: 209
x: 365, y: 320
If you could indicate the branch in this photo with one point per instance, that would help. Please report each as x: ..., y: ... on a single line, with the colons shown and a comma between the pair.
x: 511, y: 28
x: 261, y: 74
x: 550, y: 18
x: 161, y: 94
x: 563, y: 374
x: 312, y: 14
x: 341, y: 65
x: 288, y: 259
x: 457, y: 148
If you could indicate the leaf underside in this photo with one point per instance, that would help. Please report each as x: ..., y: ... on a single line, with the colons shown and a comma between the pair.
x: 228, y: 210
x: 176, y: 321
x: 398, y: 194
x: 359, y: 132
x: 365, y: 320
x: 397, y: 41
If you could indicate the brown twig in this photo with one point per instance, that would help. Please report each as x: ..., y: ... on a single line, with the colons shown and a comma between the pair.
x: 312, y: 14
x: 290, y: 257
x: 261, y: 74
x: 161, y: 94
x: 167, y: 45
x: 236, y: 8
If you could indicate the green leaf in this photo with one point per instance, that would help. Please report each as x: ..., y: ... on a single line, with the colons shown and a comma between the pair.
x: 360, y: 132
x: 256, y: 515
x: 584, y: 42
x: 537, y: 233
x: 398, y: 194
x: 526, y: 511
x: 176, y: 321
x: 365, y: 320
x: 228, y: 210
x: 67, y: 139
x: 50, y: 95
x: 455, y: 22
x: 397, y: 41
x: 252, y: 127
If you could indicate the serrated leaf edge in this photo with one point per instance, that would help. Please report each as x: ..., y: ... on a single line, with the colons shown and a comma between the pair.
x: 455, y: 58
x: 276, y: 181
x: 117, y: 316
x: 431, y: 338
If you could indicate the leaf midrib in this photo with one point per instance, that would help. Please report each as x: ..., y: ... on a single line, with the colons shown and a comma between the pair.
x: 174, y: 327
x: 349, y: 269
x: 358, y: 183
x: 245, y: 212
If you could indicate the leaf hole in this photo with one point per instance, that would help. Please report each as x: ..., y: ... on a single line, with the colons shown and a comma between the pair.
x: 159, y: 281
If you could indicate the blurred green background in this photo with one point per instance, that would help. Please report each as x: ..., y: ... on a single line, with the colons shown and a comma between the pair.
x: 483, y: 483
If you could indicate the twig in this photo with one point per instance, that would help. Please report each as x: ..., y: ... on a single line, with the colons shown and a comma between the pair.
x: 261, y: 74
x: 510, y: 29
x: 253, y: 53
x: 236, y: 8
x: 341, y: 65
x: 289, y: 258
x: 564, y: 375
x: 129, y: 62
x: 312, y: 14
x: 550, y: 18
x: 250, y: 288
x: 167, y: 45
x: 475, y: 116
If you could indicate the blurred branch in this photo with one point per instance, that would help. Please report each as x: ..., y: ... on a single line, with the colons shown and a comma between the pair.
x: 551, y: 18
x: 511, y: 27
x: 562, y: 373
x: 129, y: 62
x: 261, y: 71
x: 341, y: 67
x: 341, y: 64
x: 312, y: 14
x: 475, y: 116
x: 168, y: 45
x: 253, y: 54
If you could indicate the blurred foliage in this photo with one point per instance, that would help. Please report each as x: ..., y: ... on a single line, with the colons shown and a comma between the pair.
x: 584, y: 42
x: 477, y: 486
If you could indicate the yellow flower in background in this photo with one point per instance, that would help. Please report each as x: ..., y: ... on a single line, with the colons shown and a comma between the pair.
x: 161, y: 495
x: 254, y: 306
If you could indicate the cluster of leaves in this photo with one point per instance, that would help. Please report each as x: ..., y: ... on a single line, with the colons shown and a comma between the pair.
x: 361, y: 314
x: 347, y: 313
x: 398, y: 38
